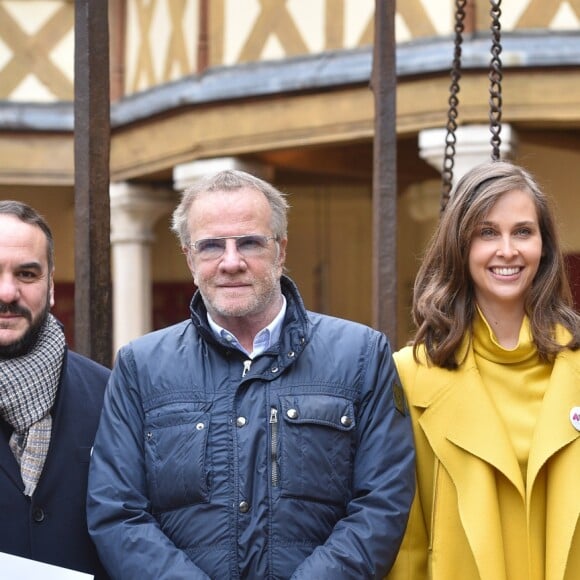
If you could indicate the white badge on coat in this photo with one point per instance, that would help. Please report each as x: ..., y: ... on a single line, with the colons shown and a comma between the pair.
x: 575, y: 417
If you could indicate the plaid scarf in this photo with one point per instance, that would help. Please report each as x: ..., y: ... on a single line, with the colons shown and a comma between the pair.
x: 28, y: 386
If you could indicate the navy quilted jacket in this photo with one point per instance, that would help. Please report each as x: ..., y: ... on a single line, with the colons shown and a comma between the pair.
x: 297, y: 464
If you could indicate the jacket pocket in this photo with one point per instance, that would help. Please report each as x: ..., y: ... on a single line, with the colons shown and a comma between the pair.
x: 316, y: 447
x: 175, y: 456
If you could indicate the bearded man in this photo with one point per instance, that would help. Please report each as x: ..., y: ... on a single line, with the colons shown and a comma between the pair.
x: 50, y: 401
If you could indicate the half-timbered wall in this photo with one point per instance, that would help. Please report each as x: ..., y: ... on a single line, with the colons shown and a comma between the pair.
x: 162, y: 38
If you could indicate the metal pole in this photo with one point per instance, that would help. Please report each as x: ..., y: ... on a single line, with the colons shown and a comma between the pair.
x: 93, y: 303
x: 384, y: 85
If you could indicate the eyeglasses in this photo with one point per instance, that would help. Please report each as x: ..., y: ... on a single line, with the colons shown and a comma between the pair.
x: 249, y: 246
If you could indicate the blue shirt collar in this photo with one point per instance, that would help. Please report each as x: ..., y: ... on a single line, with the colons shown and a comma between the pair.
x: 262, y: 341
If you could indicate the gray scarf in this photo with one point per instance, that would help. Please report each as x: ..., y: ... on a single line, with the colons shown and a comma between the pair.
x: 28, y: 386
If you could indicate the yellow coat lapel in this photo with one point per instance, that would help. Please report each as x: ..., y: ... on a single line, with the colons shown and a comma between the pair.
x: 556, y: 448
x: 458, y: 411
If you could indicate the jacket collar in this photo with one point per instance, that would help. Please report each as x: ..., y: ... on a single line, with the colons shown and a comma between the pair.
x: 460, y: 411
x: 296, y: 328
x: 554, y: 430
x: 459, y: 415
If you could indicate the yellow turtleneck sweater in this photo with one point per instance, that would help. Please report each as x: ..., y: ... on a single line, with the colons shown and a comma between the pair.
x: 516, y: 381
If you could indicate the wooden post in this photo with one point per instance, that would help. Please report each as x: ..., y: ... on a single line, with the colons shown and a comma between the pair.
x: 203, y: 37
x: 93, y: 310
x: 384, y: 85
x: 117, y: 38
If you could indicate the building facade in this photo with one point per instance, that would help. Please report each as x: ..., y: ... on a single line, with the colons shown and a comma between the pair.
x: 281, y: 88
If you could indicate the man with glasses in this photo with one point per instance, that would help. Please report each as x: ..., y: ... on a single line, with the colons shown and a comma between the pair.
x: 255, y: 439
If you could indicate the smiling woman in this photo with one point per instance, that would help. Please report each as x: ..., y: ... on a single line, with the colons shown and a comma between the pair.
x: 494, y: 366
x: 504, y: 258
x: 446, y: 296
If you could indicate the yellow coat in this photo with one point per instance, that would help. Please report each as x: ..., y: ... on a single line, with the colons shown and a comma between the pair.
x: 464, y: 457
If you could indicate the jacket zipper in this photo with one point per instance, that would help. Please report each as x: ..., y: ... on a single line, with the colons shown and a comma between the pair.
x: 274, y: 446
x: 247, y: 365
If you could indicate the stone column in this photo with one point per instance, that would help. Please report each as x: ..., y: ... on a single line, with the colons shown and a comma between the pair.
x: 134, y: 211
x: 473, y: 147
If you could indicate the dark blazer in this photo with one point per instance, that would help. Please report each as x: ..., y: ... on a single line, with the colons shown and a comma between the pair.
x: 51, y: 527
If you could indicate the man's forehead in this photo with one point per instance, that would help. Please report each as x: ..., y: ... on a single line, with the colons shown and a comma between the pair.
x: 26, y: 242
x: 222, y: 204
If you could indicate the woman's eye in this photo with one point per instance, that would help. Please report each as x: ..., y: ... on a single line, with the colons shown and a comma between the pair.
x: 487, y: 233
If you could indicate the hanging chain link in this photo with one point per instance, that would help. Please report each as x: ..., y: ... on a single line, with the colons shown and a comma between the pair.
x: 450, y: 138
x: 495, y: 78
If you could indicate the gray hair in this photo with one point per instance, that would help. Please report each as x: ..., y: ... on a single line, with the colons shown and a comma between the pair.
x: 230, y: 180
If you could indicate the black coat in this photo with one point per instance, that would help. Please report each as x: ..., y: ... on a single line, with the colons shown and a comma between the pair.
x: 51, y: 527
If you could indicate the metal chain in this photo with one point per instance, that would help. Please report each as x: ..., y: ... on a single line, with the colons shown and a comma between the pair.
x: 450, y: 138
x: 495, y: 78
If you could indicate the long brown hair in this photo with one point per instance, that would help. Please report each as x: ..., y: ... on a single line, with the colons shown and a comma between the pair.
x: 444, y: 301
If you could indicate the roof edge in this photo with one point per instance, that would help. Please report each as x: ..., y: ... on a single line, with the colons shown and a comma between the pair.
x: 319, y: 72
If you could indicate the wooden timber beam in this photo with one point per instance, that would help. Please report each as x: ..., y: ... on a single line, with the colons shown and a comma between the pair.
x: 93, y: 302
